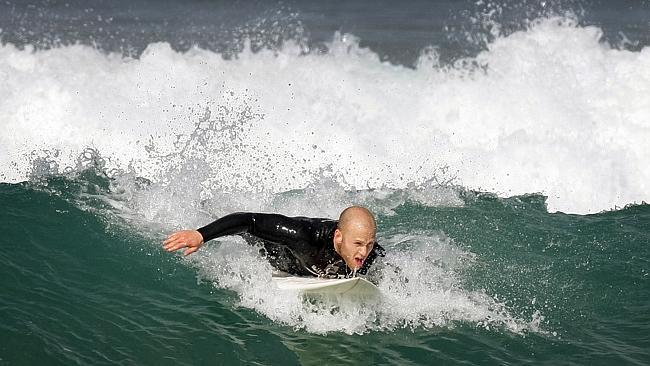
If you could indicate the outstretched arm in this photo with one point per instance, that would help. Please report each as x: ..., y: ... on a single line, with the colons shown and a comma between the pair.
x: 235, y: 223
x: 273, y: 228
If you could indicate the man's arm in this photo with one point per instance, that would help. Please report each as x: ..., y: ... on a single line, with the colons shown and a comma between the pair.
x: 274, y: 228
x: 193, y: 239
x: 235, y: 223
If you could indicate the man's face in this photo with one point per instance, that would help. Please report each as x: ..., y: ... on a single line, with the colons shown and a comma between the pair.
x: 354, y: 243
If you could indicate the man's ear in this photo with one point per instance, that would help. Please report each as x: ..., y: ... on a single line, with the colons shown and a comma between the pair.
x: 338, y: 239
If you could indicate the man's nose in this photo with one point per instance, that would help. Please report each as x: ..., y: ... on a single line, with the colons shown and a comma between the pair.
x: 363, y: 251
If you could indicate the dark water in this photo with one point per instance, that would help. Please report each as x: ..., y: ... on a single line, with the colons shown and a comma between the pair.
x: 502, y: 145
x: 79, y: 287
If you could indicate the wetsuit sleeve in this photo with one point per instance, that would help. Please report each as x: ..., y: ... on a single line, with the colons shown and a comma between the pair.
x: 273, y: 228
x: 236, y: 223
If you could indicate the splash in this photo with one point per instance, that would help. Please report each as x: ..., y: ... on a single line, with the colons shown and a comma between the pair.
x: 549, y: 109
x: 419, y: 284
x: 419, y: 281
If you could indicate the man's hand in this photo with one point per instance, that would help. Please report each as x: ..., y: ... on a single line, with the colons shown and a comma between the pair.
x: 190, y: 239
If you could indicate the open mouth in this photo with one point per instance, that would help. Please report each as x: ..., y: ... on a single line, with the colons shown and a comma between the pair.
x: 358, y: 262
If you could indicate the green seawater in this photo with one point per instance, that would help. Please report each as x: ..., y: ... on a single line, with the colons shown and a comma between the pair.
x: 82, y: 287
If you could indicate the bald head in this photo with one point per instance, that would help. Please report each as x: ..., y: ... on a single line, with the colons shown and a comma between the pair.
x: 357, y: 216
x: 354, y: 239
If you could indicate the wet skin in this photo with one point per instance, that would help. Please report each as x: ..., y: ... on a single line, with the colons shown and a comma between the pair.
x: 354, y: 242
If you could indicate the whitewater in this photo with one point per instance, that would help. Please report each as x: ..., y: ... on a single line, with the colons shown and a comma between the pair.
x: 552, y: 109
x: 501, y: 145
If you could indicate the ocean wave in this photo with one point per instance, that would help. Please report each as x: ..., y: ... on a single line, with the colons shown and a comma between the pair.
x: 550, y: 109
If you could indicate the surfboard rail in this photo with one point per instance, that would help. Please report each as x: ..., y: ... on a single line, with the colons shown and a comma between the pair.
x: 314, y: 285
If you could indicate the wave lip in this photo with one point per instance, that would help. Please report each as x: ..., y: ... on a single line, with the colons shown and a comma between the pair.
x: 549, y: 109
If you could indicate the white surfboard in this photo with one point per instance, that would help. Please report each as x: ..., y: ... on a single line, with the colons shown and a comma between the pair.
x: 312, y: 285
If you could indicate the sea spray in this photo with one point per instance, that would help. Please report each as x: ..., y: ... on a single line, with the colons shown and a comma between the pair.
x: 120, y: 149
x: 551, y: 110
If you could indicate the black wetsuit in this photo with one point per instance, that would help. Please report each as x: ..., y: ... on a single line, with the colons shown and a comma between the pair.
x: 300, y: 246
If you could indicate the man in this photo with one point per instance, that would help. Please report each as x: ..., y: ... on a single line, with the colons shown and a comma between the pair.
x: 299, y: 246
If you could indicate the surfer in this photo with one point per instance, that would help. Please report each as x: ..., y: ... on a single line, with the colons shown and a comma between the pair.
x: 299, y: 246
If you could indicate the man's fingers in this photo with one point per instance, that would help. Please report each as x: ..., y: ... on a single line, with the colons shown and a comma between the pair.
x: 182, y: 239
x: 175, y: 241
x: 170, y: 244
x: 170, y: 239
x: 176, y: 246
x: 190, y: 250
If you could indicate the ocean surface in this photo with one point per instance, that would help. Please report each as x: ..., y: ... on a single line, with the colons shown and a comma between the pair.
x: 503, y: 146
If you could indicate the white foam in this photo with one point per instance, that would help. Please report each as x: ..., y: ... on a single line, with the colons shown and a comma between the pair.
x: 420, y: 277
x: 420, y: 289
x: 555, y: 112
